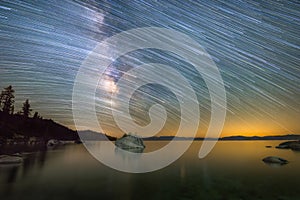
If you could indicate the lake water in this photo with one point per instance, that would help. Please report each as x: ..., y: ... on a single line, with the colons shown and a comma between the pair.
x: 233, y: 170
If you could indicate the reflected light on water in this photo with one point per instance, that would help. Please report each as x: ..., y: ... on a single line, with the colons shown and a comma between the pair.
x: 233, y: 170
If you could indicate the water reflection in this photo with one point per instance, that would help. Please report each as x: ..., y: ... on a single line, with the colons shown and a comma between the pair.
x: 24, y: 148
x: 33, y: 155
x: 30, y: 160
x: 132, y: 150
x: 41, y: 159
x: 276, y: 165
x: 12, y: 174
x: 233, y: 170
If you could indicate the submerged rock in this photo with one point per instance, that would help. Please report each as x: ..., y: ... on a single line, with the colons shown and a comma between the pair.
x: 275, y: 160
x: 6, y: 159
x: 130, y: 142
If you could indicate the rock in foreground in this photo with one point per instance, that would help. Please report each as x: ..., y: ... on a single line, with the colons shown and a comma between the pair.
x: 130, y: 142
x: 275, y: 160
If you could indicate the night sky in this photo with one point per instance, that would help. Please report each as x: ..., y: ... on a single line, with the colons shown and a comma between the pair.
x: 255, y: 45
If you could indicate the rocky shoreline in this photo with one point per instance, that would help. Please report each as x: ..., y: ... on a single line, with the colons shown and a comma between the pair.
x: 11, y: 147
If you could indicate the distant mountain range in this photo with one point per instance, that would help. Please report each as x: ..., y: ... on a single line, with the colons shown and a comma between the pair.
x: 277, y: 137
x: 274, y: 137
x: 92, y: 135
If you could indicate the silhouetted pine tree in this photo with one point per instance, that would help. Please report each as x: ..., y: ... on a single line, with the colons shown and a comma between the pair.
x: 36, y: 116
x: 7, y: 100
x: 26, y: 111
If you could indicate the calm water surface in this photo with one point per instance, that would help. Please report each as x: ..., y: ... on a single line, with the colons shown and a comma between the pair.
x: 233, y: 170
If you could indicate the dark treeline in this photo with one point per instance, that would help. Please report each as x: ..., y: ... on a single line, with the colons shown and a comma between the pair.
x: 22, y: 126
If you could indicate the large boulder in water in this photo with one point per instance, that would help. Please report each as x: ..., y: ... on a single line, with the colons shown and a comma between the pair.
x: 130, y: 142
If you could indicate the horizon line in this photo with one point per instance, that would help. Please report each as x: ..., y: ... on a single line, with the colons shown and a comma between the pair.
x: 203, y: 138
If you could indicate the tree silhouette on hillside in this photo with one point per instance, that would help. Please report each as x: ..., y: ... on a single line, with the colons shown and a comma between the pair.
x: 26, y: 111
x: 7, y: 100
x: 36, y: 116
x: 20, y: 126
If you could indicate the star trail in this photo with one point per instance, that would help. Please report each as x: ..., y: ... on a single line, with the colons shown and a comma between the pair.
x: 255, y: 45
